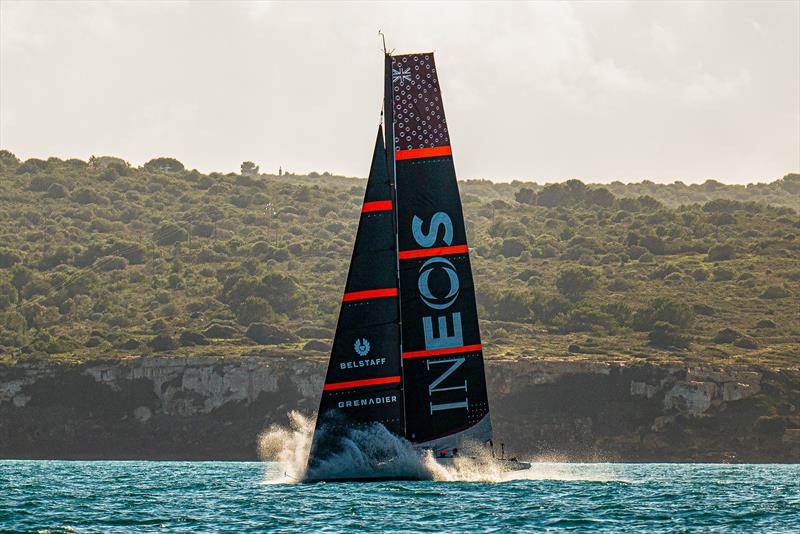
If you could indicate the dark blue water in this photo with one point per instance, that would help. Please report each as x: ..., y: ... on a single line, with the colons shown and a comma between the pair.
x: 205, y: 496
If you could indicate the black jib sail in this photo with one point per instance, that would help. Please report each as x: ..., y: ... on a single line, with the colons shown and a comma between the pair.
x: 443, y: 375
x: 363, y: 382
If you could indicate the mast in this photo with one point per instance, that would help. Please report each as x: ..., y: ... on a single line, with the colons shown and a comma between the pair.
x: 388, y: 117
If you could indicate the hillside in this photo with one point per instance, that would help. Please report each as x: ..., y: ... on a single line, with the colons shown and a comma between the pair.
x: 99, y: 260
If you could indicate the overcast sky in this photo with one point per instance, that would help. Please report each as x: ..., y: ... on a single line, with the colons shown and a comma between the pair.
x: 540, y: 91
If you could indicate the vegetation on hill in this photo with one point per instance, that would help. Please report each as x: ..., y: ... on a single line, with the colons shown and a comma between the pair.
x: 102, y: 260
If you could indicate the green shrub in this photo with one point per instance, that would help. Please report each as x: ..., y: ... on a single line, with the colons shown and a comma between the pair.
x: 654, y: 244
x: 661, y: 272
x: 220, y: 331
x: 512, y: 247
x: 703, y: 309
x: 636, y: 251
x: 254, y: 309
x: 775, y: 292
x: 547, y: 307
x: 21, y: 276
x: 663, y: 310
x: 265, y: 334
x: 32, y: 165
x: 203, y: 229
x: 162, y: 342
x: 314, y: 332
x: 574, y: 282
x: 726, y: 335
x: 8, y: 295
x: 619, y: 285
x: 84, y: 195
x: 746, y: 342
x: 59, y: 256
x: 189, y: 338
x: 721, y: 253
x: 163, y: 165
x: 666, y: 335
x: 41, y: 183
x: 585, y: 319
x: 111, y: 263
x: 169, y: 234
x: 8, y: 258
x: 525, y: 196
x: 619, y: 311
x: 513, y: 306
x: 317, y: 345
x: 723, y: 274
x: 57, y: 191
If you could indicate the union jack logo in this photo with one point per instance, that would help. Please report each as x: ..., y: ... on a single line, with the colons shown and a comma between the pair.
x: 401, y: 74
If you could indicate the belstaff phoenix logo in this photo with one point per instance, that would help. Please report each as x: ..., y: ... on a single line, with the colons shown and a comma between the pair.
x: 362, y: 347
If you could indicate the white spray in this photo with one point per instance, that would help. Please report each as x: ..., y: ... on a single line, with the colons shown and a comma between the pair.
x: 374, y: 451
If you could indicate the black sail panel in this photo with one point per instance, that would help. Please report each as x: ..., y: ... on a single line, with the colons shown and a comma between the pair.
x: 443, y: 374
x: 363, y: 381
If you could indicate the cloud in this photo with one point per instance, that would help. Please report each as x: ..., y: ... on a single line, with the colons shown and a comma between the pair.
x: 540, y: 90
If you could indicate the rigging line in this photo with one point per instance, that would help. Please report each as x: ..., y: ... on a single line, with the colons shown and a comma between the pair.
x: 388, y: 132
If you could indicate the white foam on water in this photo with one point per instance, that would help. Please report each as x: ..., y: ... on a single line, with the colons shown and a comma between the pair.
x: 374, y: 452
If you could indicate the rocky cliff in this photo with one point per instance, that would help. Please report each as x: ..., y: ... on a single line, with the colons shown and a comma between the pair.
x: 214, y: 408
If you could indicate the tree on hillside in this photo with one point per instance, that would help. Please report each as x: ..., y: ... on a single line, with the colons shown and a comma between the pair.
x: 525, y: 196
x: 249, y: 168
x: 573, y: 282
x: 163, y: 165
x: 8, y: 158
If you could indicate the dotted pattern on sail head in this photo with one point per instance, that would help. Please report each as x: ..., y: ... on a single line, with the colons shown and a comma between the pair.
x: 418, y: 112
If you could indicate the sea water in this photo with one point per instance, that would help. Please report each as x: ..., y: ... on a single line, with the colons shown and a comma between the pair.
x: 125, y: 496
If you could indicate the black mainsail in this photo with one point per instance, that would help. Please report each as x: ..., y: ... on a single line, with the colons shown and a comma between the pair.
x: 444, y: 382
x: 407, y: 350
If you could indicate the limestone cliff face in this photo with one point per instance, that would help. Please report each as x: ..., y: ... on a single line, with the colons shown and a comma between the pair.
x: 215, y: 407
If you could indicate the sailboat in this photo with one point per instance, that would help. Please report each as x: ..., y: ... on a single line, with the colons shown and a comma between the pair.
x: 407, y: 354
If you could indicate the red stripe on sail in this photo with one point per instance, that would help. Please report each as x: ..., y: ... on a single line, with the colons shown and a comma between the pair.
x: 440, y: 352
x: 436, y: 251
x: 378, y: 205
x: 417, y: 153
x: 370, y: 294
x: 362, y: 383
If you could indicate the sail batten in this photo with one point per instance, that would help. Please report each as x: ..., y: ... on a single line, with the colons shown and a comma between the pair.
x: 376, y: 205
x: 436, y: 251
x: 370, y: 294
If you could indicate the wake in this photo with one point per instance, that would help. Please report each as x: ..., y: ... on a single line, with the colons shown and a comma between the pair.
x: 373, y: 450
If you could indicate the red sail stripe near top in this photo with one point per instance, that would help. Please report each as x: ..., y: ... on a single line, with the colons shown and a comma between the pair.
x: 417, y: 153
x: 439, y: 352
x: 378, y: 205
x: 362, y: 383
x: 370, y: 294
x: 435, y: 251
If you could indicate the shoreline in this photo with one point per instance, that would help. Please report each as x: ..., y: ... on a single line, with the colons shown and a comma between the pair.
x: 214, y: 408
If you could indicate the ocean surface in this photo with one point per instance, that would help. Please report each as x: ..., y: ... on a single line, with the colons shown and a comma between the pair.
x: 114, y: 496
